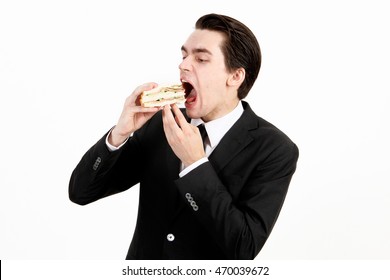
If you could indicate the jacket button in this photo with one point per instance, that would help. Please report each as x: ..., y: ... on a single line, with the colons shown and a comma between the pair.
x: 170, y: 237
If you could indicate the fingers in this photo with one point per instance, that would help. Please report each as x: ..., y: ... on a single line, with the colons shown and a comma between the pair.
x: 140, y: 109
x: 146, y: 86
x: 176, y: 118
x: 134, y: 116
x: 169, y: 121
x: 183, y: 137
x: 135, y: 96
x: 180, y: 119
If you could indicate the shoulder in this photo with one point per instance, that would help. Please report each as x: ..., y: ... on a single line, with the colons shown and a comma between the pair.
x: 267, y: 135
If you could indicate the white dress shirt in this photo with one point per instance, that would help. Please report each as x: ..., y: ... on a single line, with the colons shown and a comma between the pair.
x: 216, y: 129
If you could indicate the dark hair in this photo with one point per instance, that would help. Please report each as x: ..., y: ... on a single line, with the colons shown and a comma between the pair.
x: 240, y: 48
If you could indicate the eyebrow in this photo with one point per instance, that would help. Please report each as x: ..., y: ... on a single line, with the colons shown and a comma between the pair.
x: 197, y: 50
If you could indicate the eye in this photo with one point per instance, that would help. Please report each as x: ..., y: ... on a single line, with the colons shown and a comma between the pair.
x: 201, y: 60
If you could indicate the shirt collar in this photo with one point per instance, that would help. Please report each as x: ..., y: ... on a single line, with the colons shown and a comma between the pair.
x: 217, y: 128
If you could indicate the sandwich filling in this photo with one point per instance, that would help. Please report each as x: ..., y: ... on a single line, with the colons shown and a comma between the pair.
x: 161, y: 96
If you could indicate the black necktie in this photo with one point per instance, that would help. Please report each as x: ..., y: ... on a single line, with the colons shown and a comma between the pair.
x: 203, y: 134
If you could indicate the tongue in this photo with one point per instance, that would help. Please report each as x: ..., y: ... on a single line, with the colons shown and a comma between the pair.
x: 190, y: 99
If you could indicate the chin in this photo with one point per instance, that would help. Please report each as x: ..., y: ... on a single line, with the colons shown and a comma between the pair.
x: 191, y: 114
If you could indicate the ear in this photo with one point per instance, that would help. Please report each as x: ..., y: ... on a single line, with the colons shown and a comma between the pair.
x: 236, y: 78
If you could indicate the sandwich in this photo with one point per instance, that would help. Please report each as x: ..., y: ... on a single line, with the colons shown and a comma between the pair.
x: 163, y: 95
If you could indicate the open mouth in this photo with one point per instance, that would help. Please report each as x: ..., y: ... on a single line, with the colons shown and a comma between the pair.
x: 187, y: 88
x: 190, y: 93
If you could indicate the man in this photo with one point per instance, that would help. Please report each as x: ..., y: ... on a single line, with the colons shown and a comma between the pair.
x: 217, y: 202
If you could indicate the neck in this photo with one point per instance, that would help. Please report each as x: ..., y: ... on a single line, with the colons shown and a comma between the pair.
x: 222, y: 111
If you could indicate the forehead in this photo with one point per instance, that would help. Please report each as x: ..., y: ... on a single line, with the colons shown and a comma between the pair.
x: 204, y: 39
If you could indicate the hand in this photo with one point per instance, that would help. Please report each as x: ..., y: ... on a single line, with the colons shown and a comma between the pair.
x: 183, y: 137
x: 133, y: 116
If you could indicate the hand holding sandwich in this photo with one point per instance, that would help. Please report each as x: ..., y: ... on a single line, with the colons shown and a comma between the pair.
x: 183, y: 137
x: 133, y: 116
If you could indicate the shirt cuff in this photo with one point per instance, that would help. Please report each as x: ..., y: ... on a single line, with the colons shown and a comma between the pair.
x: 113, y: 148
x: 191, y: 167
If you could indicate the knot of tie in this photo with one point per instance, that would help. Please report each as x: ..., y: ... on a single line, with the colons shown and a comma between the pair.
x: 203, y: 133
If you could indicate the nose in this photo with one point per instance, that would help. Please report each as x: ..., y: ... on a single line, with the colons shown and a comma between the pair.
x: 185, y: 65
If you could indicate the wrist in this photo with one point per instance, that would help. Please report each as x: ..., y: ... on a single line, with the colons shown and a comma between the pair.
x: 116, y: 138
x: 188, y: 169
x: 194, y: 160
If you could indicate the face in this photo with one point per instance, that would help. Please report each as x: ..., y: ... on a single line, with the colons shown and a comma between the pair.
x: 205, y: 78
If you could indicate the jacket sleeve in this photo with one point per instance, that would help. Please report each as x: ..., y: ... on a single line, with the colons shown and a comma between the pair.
x: 101, y: 173
x: 241, y: 226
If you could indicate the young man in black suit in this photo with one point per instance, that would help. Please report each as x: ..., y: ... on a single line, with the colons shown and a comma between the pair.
x: 217, y: 201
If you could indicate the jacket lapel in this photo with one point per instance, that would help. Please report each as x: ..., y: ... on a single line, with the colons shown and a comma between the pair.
x: 235, y: 140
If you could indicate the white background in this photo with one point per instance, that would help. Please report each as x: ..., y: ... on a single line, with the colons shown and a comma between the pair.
x: 66, y: 68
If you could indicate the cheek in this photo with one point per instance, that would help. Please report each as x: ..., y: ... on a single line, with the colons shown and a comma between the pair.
x: 212, y: 85
x: 215, y: 82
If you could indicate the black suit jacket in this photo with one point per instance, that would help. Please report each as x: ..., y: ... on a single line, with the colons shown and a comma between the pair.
x: 223, y: 209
